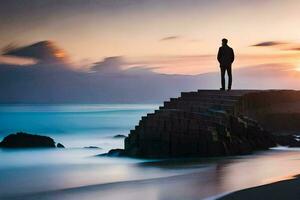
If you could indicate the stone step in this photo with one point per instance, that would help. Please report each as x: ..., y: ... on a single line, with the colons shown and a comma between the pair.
x: 239, y: 92
x: 217, y: 93
x: 175, y: 120
x: 188, y: 104
x: 155, y: 126
x: 215, y: 97
x: 220, y: 95
x: 204, y: 100
x: 203, y: 109
x: 211, y: 115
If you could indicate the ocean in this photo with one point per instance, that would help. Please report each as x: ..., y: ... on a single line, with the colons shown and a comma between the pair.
x: 75, y: 126
x: 77, y: 172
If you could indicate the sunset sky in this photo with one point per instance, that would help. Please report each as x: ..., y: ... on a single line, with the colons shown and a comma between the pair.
x: 175, y: 36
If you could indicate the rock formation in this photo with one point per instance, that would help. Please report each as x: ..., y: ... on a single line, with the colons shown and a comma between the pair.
x: 216, y: 123
x: 115, y: 153
x: 59, y: 145
x: 25, y: 140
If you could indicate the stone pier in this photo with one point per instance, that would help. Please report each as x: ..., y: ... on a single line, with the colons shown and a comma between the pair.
x: 215, y: 123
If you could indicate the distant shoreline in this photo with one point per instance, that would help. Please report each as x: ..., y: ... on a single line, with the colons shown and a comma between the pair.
x: 286, y: 189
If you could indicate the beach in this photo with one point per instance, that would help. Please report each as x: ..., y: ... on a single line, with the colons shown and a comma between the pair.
x: 93, y: 177
x: 287, y: 189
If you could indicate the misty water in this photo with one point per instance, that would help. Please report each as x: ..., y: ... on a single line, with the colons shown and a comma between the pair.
x: 78, y: 173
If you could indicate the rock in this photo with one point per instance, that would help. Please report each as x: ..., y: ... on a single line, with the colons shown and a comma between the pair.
x: 295, y: 143
x: 25, y: 140
x: 59, y: 145
x: 119, y: 136
x: 115, y: 153
x: 92, y: 147
x: 284, y: 140
x: 288, y: 140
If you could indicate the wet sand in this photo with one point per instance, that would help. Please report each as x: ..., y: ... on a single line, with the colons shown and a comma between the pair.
x: 288, y: 189
x: 191, y: 186
x: 282, y: 190
x: 190, y: 179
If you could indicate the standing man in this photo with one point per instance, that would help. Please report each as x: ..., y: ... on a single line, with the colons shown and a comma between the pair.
x: 225, y: 58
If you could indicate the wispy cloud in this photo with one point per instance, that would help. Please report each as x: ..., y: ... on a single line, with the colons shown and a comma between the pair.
x: 169, y: 38
x: 269, y: 44
x: 280, y: 45
x: 293, y: 49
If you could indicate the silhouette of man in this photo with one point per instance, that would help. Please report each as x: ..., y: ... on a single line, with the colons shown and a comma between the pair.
x: 225, y: 58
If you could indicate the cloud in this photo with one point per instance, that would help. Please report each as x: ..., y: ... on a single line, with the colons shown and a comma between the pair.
x: 269, y: 44
x: 293, y: 49
x: 43, y: 51
x: 109, y: 65
x: 143, y: 82
x: 12, y: 60
x: 280, y: 45
x: 56, y: 84
x: 118, y: 66
x: 273, y: 70
x: 169, y: 38
x: 141, y: 70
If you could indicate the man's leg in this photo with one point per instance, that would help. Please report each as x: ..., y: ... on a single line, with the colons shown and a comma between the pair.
x: 223, y: 70
x: 229, y: 72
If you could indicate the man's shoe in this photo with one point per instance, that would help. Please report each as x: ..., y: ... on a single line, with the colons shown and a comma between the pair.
x: 228, y: 89
x: 222, y: 89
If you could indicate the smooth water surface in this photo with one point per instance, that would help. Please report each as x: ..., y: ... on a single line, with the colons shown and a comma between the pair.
x: 74, y: 125
x: 79, y: 173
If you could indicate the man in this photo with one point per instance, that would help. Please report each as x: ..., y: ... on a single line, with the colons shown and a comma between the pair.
x: 225, y: 58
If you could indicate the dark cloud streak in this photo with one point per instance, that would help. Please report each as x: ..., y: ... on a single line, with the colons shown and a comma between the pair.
x: 269, y: 44
x: 284, y: 46
x: 169, y: 38
x: 293, y: 49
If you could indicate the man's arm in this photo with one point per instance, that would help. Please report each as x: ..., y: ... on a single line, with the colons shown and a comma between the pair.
x: 232, y: 56
x: 219, y: 55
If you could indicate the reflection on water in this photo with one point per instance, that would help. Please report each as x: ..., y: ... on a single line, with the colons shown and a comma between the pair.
x: 78, y: 174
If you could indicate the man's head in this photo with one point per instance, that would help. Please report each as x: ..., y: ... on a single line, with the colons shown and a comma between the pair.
x: 224, y: 42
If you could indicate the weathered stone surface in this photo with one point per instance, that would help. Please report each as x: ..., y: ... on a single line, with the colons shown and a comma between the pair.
x: 215, y: 123
x: 25, y: 140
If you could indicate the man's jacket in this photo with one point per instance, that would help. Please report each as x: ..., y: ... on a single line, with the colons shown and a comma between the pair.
x: 225, y: 56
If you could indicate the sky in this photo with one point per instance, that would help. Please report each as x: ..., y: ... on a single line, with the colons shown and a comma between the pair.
x: 172, y: 36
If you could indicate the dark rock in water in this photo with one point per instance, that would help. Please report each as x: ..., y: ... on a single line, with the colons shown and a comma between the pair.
x: 59, y: 145
x: 115, y: 153
x: 119, y: 136
x: 288, y: 140
x: 295, y: 143
x: 284, y: 140
x: 92, y: 147
x: 216, y: 123
x: 25, y: 140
